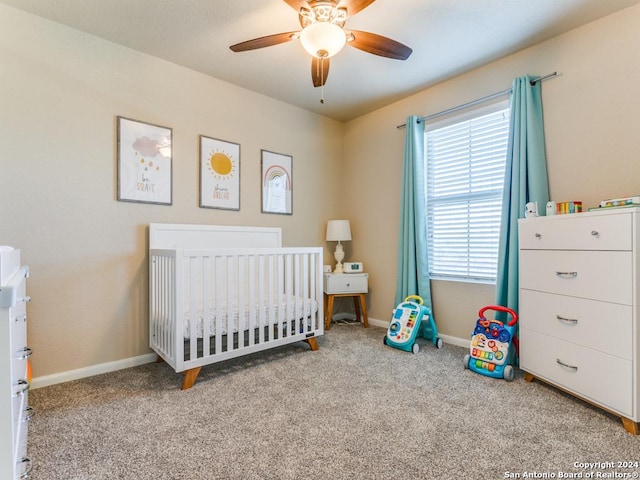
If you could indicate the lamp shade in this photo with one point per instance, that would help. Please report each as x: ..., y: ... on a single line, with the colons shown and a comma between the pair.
x: 323, y: 39
x: 338, y: 230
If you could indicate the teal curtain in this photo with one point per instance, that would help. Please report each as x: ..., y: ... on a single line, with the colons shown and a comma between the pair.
x: 413, y: 260
x: 525, y: 181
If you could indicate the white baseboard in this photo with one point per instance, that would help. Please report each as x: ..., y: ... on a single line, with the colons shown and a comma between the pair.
x: 47, y: 380
x: 460, y: 342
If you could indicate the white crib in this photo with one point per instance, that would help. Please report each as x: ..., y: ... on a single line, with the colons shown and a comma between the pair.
x: 219, y: 292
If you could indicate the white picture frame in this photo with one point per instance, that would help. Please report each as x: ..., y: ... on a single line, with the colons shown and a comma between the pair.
x: 144, y: 162
x: 277, y: 183
x: 219, y: 174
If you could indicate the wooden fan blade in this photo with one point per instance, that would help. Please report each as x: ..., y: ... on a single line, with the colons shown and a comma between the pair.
x: 319, y: 71
x: 262, y: 42
x: 379, y: 45
x: 354, y: 6
x: 297, y: 4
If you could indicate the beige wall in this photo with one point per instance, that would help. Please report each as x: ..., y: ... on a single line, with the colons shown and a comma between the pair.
x: 593, y: 147
x: 61, y: 91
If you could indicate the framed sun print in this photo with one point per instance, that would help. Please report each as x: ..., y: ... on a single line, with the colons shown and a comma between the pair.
x: 144, y: 162
x: 219, y: 174
x: 277, y: 186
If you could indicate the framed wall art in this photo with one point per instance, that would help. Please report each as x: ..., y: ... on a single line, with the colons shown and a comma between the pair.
x: 144, y: 162
x: 219, y: 174
x: 277, y: 186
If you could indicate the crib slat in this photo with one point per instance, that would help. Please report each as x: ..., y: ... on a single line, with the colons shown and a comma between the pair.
x: 279, y: 295
x: 193, y: 307
x: 240, y: 300
x: 261, y: 305
x: 206, y: 305
x: 178, y: 310
x: 218, y: 296
x: 271, y: 292
x: 252, y: 294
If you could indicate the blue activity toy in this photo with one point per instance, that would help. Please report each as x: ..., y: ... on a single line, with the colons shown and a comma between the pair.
x: 493, y: 345
x: 408, y: 318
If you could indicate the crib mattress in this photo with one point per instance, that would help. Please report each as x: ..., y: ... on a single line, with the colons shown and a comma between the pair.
x: 280, y: 311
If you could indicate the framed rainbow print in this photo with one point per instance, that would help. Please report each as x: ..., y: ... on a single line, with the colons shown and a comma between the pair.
x: 219, y: 174
x: 276, y: 183
x: 144, y: 162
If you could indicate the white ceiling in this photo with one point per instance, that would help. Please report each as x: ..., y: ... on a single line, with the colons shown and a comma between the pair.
x: 448, y: 37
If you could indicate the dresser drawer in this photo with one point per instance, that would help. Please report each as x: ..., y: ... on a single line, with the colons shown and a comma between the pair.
x: 19, y: 412
x: 595, y: 376
x: 599, y: 275
x: 346, y: 283
x: 577, y: 232
x: 602, y: 326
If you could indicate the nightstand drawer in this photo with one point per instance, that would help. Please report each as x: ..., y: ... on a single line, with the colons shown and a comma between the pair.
x: 346, y: 283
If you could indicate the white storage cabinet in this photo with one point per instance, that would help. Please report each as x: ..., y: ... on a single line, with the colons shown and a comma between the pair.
x: 579, y: 297
x: 14, y: 352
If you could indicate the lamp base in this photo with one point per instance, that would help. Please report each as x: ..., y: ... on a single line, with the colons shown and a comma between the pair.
x: 339, y: 256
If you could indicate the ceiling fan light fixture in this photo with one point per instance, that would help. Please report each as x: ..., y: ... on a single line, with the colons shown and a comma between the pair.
x: 323, y: 39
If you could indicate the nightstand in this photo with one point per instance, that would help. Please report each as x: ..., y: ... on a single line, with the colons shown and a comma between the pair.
x: 354, y: 285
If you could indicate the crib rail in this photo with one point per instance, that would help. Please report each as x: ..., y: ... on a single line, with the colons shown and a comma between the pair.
x: 210, y: 305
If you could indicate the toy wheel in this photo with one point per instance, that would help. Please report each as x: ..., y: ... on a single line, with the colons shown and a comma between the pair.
x: 439, y: 343
x: 466, y: 359
x: 509, y: 373
x: 384, y: 340
x: 415, y: 348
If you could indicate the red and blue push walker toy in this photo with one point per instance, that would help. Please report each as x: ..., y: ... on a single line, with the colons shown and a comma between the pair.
x: 493, y: 346
x: 408, y: 318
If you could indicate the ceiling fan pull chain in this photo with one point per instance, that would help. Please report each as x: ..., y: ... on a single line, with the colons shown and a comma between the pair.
x: 322, y: 76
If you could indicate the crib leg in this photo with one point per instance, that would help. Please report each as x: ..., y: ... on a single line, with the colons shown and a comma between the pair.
x: 159, y: 359
x: 189, y: 377
x: 313, y: 343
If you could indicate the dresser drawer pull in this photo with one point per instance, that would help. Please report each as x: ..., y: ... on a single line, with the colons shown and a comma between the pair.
x: 571, y: 367
x: 567, y: 320
x: 22, y: 388
x: 595, y: 233
x: 29, y: 412
x: 537, y: 235
x: 25, y: 463
x: 567, y: 274
x: 24, y: 353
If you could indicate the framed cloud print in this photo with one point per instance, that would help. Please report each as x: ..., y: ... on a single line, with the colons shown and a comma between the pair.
x: 144, y: 162
x: 219, y: 174
x: 276, y: 183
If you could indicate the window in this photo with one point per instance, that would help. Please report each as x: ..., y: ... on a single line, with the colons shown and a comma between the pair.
x: 464, y: 179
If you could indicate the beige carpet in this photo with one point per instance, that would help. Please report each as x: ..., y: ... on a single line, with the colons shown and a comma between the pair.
x: 355, y: 409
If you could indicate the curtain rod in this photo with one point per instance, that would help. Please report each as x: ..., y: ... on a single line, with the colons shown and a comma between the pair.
x: 479, y: 100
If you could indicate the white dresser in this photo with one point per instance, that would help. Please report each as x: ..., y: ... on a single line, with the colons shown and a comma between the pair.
x: 14, y: 353
x: 579, y: 298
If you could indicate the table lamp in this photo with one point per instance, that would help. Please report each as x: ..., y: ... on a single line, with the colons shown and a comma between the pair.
x: 338, y: 231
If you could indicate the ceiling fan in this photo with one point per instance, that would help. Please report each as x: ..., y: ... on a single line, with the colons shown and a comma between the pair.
x: 323, y: 35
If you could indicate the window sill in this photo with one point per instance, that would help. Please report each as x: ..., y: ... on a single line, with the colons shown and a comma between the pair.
x: 463, y: 280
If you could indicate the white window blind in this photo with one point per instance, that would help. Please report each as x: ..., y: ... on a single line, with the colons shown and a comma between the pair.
x: 464, y: 182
